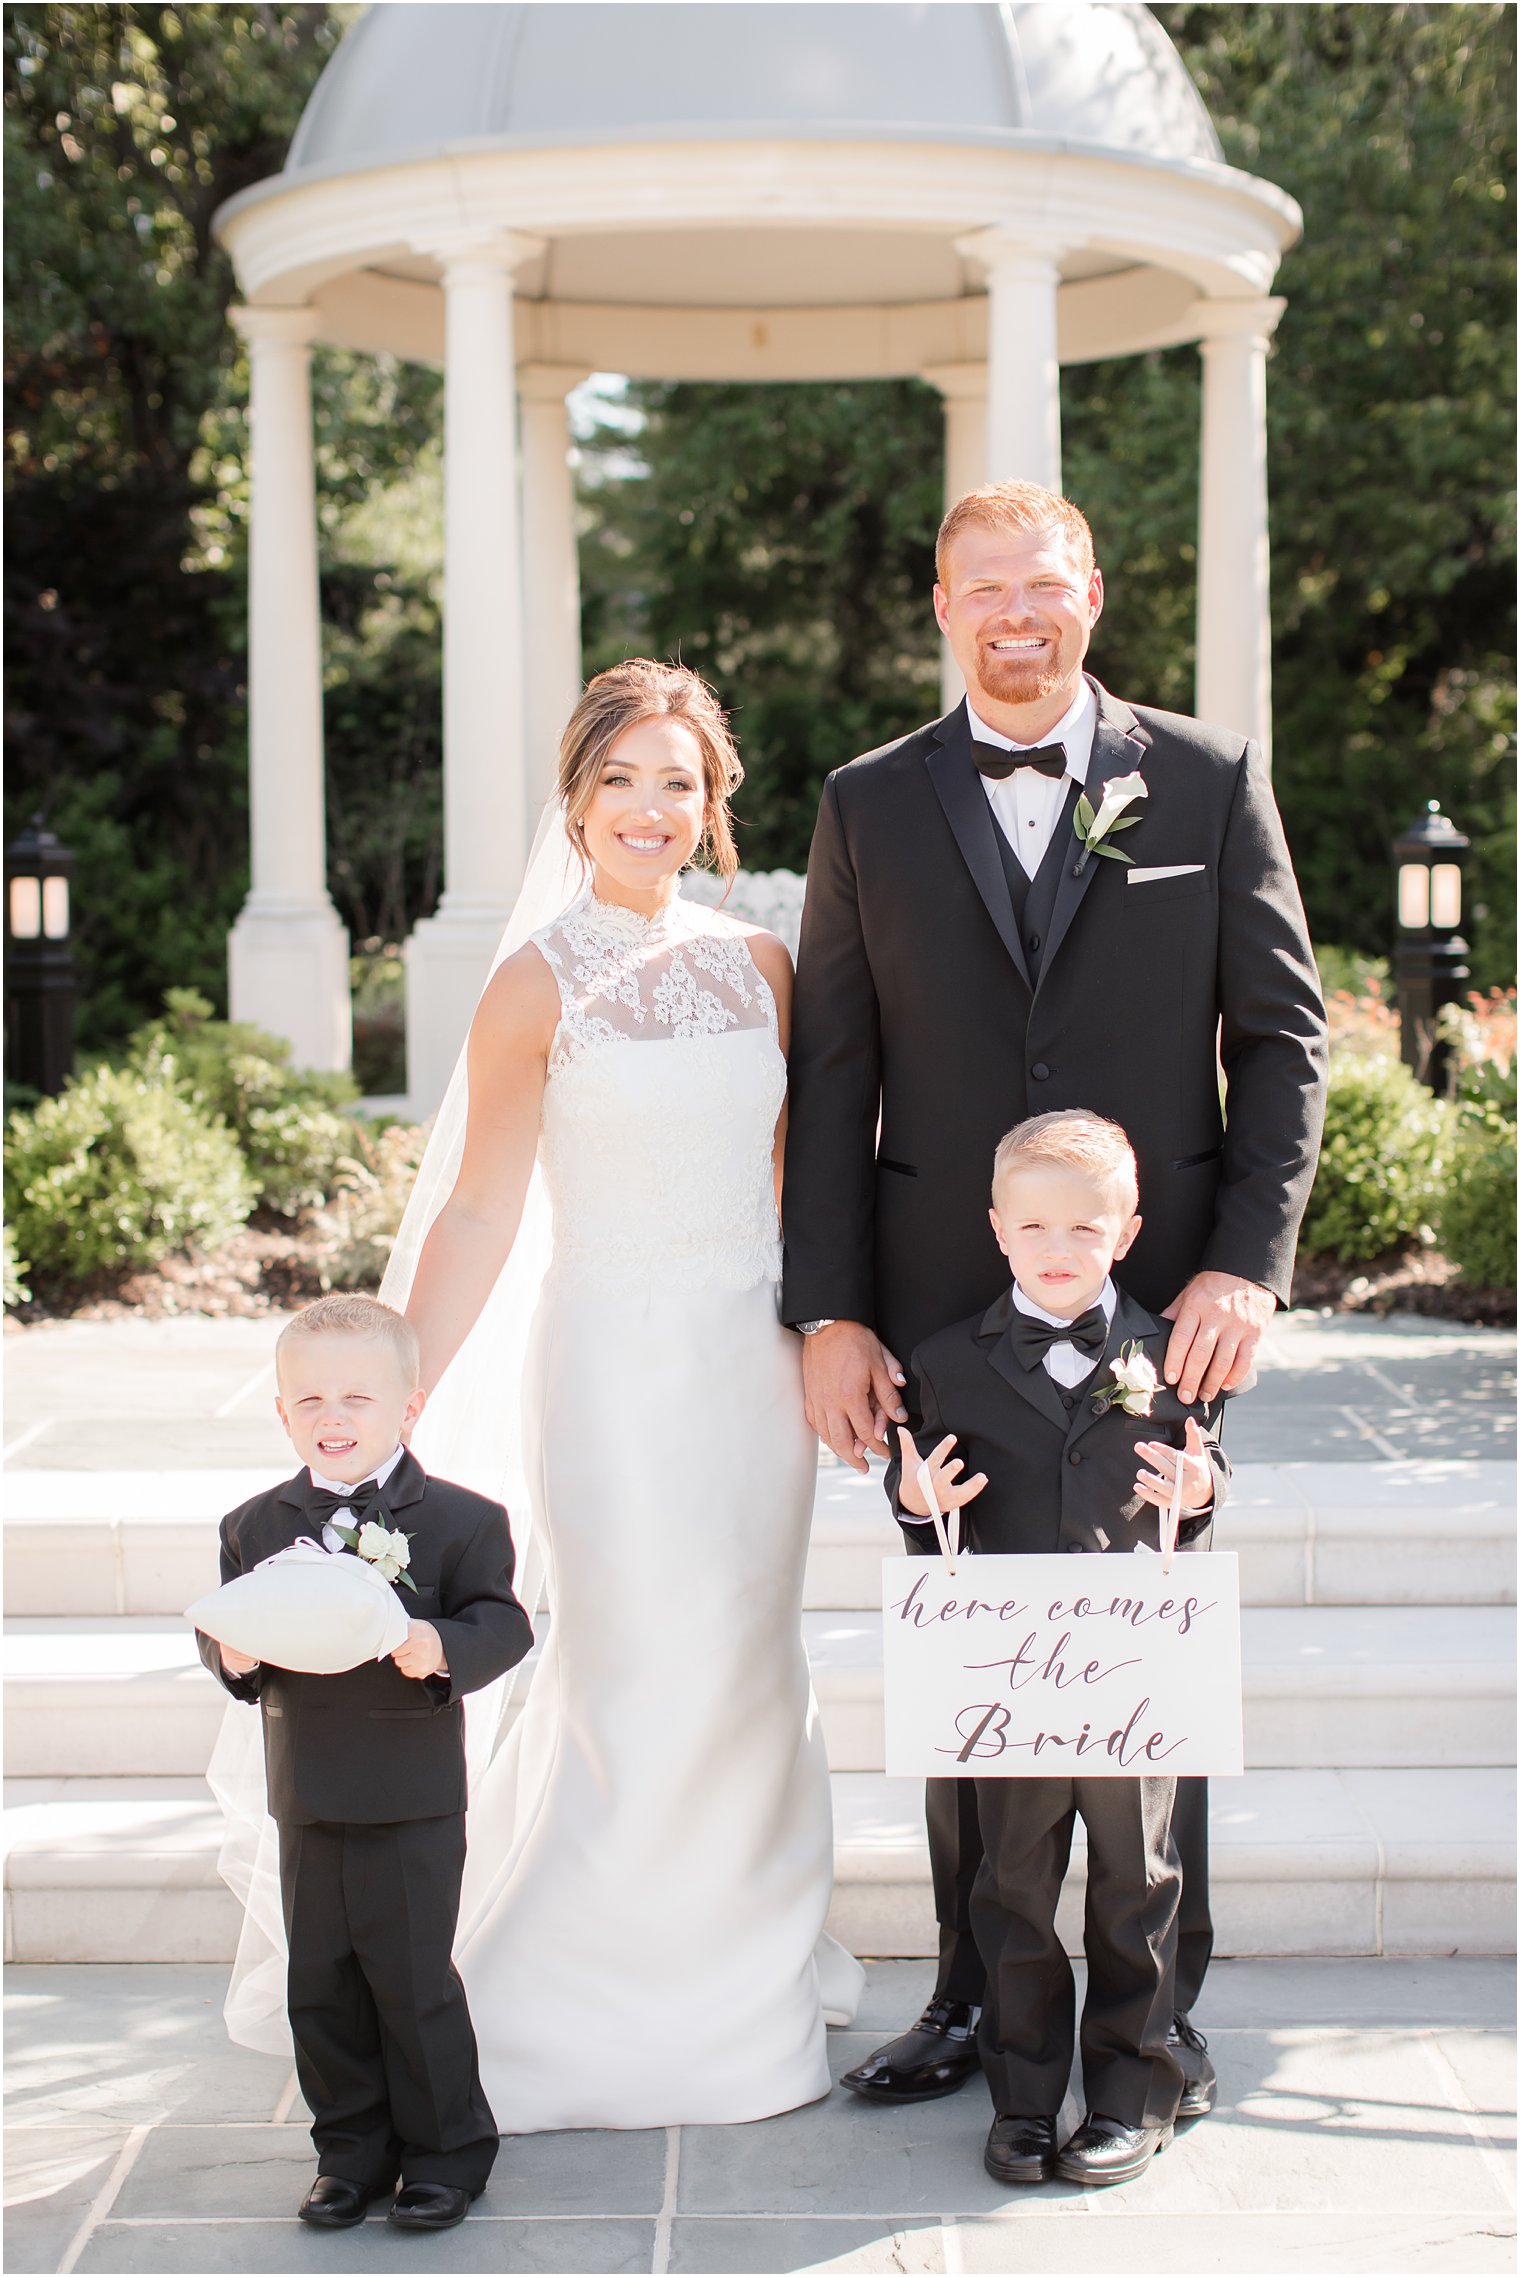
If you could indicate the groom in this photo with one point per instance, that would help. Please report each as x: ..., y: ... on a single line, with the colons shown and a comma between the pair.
x: 967, y: 961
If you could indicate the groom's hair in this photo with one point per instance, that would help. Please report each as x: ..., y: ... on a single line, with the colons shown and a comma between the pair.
x: 1073, y: 1138
x: 1017, y: 508
x: 357, y: 1316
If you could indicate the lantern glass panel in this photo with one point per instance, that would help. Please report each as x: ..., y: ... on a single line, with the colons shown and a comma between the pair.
x: 1414, y: 896
x: 1446, y: 895
x: 26, y: 908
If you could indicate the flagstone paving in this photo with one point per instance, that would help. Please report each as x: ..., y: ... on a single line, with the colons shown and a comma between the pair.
x: 1365, y: 2123
x: 198, y: 1394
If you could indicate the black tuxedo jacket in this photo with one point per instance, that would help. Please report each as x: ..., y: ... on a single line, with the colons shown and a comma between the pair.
x: 372, y: 1746
x: 1060, y: 1471
x: 914, y: 1003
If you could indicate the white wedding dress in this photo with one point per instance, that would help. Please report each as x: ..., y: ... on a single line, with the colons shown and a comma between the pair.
x: 651, y: 1847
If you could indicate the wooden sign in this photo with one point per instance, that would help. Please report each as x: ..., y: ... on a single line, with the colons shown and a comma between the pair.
x: 1092, y: 1666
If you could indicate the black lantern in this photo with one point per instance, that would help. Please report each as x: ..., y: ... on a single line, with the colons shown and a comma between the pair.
x: 41, y: 985
x: 1430, y: 956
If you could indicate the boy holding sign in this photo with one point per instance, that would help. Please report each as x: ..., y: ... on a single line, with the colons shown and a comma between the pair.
x: 1069, y: 1439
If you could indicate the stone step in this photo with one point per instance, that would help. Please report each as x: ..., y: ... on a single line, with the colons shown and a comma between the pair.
x: 1303, y: 1862
x: 1336, y: 1686
x: 1405, y: 1533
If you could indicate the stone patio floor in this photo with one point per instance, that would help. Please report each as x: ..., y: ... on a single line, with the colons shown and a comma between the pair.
x: 1365, y: 2123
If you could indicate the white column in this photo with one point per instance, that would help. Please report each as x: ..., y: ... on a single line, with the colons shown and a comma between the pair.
x: 551, y: 572
x: 1234, y: 684
x: 964, y: 388
x: 1023, y: 367
x: 287, y: 954
x: 484, y: 799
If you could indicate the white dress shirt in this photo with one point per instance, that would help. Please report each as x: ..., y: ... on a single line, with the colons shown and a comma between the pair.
x: 1028, y: 804
x: 1067, y: 1363
x: 331, y: 1540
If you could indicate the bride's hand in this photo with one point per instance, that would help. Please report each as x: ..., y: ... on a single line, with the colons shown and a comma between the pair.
x: 852, y: 1389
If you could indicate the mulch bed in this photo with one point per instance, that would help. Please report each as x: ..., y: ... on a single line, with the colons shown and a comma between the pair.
x: 261, y: 1270
x: 1415, y: 1280
x: 270, y: 1268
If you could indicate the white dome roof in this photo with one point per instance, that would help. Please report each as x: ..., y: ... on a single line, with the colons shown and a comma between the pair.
x: 412, y: 81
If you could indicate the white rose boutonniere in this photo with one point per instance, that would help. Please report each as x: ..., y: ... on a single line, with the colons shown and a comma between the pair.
x: 387, y: 1549
x: 1134, y: 1384
x: 1094, y: 829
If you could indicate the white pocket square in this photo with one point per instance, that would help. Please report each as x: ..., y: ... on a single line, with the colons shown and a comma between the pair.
x: 1171, y: 870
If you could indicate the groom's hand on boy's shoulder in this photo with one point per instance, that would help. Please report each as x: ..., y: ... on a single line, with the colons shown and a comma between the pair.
x: 1218, y: 1321
x: 851, y: 1388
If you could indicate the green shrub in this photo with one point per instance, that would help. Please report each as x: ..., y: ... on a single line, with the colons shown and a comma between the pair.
x: 357, y: 1226
x: 289, y: 1122
x: 1475, y: 1219
x: 1380, y: 1166
x: 118, y: 1171
x: 1348, y: 971
x: 16, y: 1270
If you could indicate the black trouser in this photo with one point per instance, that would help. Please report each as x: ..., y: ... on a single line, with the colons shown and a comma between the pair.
x: 385, y: 2051
x: 955, y: 1854
x: 1130, y: 1938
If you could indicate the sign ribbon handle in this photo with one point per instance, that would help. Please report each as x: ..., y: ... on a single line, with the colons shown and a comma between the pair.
x: 1171, y: 1517
x: 949, y: 1544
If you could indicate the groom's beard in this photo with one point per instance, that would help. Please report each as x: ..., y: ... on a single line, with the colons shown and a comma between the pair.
x: 1018, y: 679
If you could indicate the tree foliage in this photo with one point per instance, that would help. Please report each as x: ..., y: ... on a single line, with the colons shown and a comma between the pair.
x: 777, y: 537
x: 127, y: 492
x: 781, y: 537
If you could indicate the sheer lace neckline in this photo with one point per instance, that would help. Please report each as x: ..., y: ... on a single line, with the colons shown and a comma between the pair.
x: 616, y: 922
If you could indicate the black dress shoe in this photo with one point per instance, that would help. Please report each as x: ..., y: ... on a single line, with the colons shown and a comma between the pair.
x: 335, y: 2204
x: 430, y: 2206
x: 1103, y: 2151
x: 1020, y: 2150
x: 936, y: 2057
x: 1200, y: 2087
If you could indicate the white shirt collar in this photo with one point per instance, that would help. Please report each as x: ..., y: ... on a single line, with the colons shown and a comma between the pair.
x: 1106, y: 1299
x: 1075, y: 729
x: 346, y: 1487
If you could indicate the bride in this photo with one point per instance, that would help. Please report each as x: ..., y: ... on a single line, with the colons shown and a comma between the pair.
x: 651, y: 1846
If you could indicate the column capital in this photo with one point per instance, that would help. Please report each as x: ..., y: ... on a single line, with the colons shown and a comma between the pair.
x: 549, y: 383
x: 958, y: 383
x: 470, y: 254
x: 1012, y: 252
x: 284, y: 327
x: 1218, y: 320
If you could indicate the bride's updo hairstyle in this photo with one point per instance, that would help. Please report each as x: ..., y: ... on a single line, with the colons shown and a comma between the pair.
x: 621, y: 698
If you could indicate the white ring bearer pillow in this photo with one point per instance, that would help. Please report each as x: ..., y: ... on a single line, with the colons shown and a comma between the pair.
x: 306, y: 1608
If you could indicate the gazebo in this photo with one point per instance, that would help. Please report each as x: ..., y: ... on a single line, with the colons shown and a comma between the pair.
x: 782, y: 190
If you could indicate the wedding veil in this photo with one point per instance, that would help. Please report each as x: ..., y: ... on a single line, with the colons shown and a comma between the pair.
x: 470, y: 1432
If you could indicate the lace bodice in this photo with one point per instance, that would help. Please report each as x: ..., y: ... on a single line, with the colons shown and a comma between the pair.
x: 658, y: 1162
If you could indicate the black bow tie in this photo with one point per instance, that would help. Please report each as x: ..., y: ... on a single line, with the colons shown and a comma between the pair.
x: 1032, y: 1339
x: 347, y: 1508
x: 992, y: 760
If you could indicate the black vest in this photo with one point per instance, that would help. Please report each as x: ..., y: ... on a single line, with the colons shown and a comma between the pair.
x: 1034, y: 898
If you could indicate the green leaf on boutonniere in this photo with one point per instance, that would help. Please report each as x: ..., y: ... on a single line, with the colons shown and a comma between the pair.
x: 1112, y: 853
x: 1086, y: 814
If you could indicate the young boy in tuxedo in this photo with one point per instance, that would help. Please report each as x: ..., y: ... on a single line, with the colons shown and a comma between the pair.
x: 366, y: 1778
x: 1045, y: 1465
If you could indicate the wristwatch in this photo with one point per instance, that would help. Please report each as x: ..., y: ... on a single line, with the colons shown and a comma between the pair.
x: 811, y: 1327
